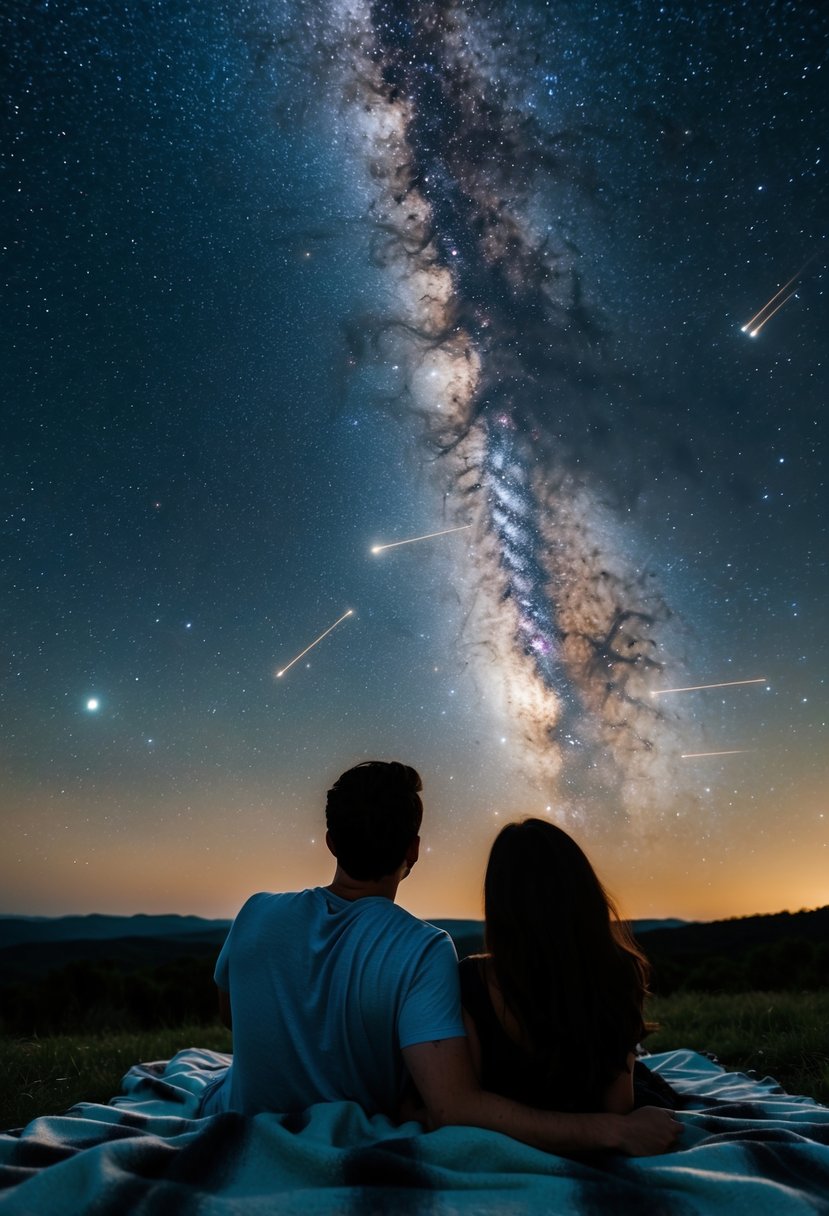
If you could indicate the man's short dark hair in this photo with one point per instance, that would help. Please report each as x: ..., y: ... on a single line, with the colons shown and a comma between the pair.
x: 373, y: 814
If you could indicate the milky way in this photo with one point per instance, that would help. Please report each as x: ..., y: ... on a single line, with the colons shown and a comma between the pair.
x: 518, y: 398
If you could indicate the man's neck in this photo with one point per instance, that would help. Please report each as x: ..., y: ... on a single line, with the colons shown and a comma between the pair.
x: 353, y: 888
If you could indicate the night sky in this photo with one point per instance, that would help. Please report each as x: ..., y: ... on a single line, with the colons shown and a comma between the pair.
x: 283, y: 282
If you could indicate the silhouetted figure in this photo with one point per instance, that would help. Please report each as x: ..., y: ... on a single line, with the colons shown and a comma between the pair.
x: 554, y: 1009
x: 337, y: 993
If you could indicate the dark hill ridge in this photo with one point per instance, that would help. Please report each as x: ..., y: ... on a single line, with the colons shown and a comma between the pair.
x: 18, y: 930
x: 785, y: 949
x: 647, y: 926
x: 733, y: 937
x: 30, y: 960
x: 786, y: 952
x: 37, y: 945
x: 33, y: 947
x: 34, y: 930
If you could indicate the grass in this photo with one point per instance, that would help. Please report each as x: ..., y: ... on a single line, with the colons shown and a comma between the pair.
x: 46, y: 1076
x: 781, y: 1034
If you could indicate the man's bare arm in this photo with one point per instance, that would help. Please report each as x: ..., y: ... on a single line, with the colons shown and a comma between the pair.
x: 445, y: 1078
x: 473, y: 1042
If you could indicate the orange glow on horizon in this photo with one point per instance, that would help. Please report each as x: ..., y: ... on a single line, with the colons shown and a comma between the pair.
x: 203, y: 853
x: 116, y: 885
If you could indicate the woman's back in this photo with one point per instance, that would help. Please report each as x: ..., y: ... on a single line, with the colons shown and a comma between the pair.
x: 557, y: 1002
x: 508, y: 1068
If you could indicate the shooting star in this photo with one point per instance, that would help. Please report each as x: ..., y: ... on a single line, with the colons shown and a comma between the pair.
x: 752, y: 333
x: 661, y: 692
x: 753, y: 326
x: 740, y: 751
x: 395, y: 543
x: 315, y: 642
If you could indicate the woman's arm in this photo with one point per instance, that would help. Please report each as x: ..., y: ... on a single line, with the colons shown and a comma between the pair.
x: 618, y: 1097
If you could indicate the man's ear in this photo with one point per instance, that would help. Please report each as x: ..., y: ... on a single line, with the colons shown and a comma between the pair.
x: 413, y: 852
x: 329, y: 844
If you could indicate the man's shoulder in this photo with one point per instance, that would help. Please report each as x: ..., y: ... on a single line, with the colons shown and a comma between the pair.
x: 422, y: 929
x: 315, y: 905
x: 260, y: 896
x: 271, y: 903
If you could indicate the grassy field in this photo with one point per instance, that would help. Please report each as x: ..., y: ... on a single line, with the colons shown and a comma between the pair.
x: 46, y: 1076
x: 783, y: 1035
x: 780, y: 1034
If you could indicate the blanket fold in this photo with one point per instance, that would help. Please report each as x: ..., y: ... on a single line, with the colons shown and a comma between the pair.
x: 747, y: 1147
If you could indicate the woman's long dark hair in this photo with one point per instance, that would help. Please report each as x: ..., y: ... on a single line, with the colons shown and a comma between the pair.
x: 569, y: 969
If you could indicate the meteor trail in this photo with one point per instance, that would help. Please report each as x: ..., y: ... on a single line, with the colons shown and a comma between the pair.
x: 394, y: 544
x: 753, y: 330
x: 740, y: 751
x: 659, y: 692
x: 752, y: 333
x: 315, y: 642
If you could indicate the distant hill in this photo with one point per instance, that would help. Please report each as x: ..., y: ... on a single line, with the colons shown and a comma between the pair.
x: 732, y: 937
x: 16, y: 930
x: 649, y: 926
x: 36, y: 959
x: 66, y: 972
x: 33, y: 946
x: 786, y: 951
x: 789, y: 949
x: 34, y: 930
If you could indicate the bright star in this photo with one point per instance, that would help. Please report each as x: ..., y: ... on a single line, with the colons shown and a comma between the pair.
x: 93, y: 704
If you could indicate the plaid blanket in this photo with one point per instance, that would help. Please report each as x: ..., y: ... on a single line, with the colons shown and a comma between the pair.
x: 747, y: 1147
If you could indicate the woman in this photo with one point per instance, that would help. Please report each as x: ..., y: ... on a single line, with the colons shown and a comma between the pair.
x: 554, y: 1009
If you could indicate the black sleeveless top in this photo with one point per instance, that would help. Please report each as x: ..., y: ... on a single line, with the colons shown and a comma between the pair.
x: 508, y: 1069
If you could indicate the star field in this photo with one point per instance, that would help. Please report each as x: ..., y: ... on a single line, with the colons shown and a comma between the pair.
x: 285, y: 284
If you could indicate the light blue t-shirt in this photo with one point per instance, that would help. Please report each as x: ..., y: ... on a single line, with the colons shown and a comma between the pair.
x: 324, y: 993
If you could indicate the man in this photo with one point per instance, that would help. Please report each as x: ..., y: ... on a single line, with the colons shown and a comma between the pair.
x: 338, y: 993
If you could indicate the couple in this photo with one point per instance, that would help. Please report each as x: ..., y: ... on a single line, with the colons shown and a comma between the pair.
x: 338, y: 993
